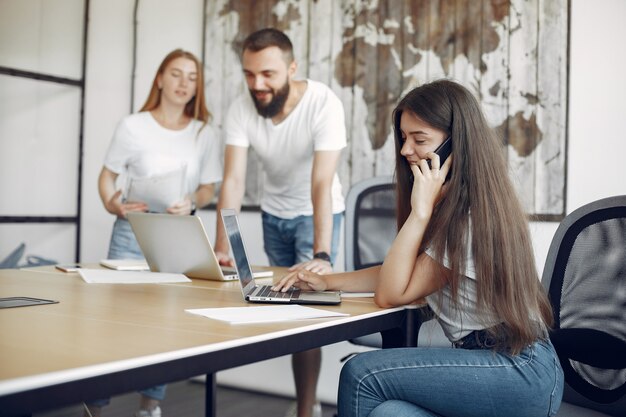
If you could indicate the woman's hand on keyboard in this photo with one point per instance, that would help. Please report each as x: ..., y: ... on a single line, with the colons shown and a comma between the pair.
x: 303, y: 279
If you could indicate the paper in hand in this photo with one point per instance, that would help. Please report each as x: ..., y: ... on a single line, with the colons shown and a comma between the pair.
x: 159, y: 191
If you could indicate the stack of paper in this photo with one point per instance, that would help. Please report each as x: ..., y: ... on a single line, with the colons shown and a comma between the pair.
x: 125, y: 264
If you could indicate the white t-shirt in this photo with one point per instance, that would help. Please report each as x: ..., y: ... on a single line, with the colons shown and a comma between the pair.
x: 141, y: 147
x: 286, y: 150
x: 457, y: 324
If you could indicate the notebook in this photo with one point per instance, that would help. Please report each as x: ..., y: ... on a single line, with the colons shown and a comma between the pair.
x: 179, y: 244
x: 263, y: 293
x: 125, y: 264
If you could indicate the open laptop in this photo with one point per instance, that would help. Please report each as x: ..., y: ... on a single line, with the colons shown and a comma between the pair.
x: 179, y: 244
x: 263, y: 293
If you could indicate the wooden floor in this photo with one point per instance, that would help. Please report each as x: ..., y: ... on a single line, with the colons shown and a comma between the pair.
x: 186, y: 399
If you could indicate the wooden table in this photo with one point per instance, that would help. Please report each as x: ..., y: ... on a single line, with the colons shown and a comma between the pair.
x: 103, y: 339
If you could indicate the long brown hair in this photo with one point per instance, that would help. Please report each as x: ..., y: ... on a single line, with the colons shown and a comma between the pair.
x: 196, y: 107
x: 479, y: 195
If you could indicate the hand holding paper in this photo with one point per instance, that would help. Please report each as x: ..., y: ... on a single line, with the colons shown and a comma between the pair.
x: 159, y: 191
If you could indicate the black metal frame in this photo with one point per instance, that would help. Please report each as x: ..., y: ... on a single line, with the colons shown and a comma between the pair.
x: 80, y: 83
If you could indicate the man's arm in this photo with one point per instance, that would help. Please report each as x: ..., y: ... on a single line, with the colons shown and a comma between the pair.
x: 231, y: 195
x: 324, y: 168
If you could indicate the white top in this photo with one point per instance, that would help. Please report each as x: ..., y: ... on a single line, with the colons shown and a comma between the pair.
x: 286, y: 149
x: 458, y: 324
x: 142, y: 148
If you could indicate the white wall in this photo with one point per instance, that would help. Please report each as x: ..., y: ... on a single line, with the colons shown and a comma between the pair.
x: 39, y: 124
x: 597, y: 142
x: 595, y: 150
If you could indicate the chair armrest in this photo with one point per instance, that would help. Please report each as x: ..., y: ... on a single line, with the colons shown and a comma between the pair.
x: 590, y: 346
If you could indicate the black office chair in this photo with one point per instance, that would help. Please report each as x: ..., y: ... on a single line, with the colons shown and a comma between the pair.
x: 370, y: 222
x: 585, y: 276
x: 370, y: 228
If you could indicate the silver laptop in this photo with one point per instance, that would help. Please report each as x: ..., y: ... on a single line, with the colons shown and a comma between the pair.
x: 179, y: 244
x: 263, y: 293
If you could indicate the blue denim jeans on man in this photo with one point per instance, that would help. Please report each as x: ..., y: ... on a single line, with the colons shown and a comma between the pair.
x: 290, y: 241
x: 437, y: 382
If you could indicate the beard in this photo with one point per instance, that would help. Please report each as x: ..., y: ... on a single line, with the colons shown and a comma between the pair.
x: 271, y: 109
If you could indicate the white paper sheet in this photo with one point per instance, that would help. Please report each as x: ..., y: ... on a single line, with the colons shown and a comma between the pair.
x: 264, y: 314
x: 104, y: 276
x: 160, y: 191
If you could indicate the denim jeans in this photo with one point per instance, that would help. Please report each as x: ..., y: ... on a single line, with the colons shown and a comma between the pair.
x: 290, y: 241
x: 124, y: 245
x: 451, y: 383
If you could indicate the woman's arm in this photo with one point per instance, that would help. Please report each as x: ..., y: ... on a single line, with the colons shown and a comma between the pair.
x: 363, y: 280
x: 202, y: 196
x: 424, y: 278
x: 406, y: 275
x: 111, y: 198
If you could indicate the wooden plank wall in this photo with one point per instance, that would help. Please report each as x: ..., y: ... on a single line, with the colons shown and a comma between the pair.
x: 511, y: 53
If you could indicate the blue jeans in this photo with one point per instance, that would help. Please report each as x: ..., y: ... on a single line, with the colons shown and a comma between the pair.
x: 124, y: 245
x: 290, y: 241
x: 447, y: 382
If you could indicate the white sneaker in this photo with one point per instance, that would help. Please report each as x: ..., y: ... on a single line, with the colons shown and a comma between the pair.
x: 317, y: 410
x: 292, y: 411
x: 156, y: 412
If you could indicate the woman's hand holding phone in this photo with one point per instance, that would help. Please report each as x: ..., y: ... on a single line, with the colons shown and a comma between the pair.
x: 428, y: 178
x: 443, y: 151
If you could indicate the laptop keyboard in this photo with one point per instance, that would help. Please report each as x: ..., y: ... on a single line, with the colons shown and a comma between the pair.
x: 266, y: 291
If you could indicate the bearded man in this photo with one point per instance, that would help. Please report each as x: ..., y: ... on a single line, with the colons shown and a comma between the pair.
x: 297, y: 129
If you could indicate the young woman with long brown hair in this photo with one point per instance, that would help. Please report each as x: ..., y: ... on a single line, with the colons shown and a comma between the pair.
x: 464, y: 245
x: 169, y: 133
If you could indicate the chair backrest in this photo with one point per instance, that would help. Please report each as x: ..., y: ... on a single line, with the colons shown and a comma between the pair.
x: 370, y: 222
x: 14, y: 257
x: 585, y: 276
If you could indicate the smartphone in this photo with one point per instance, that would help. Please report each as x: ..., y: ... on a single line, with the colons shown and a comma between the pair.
x: 67, y: 267
x: 444, y: 150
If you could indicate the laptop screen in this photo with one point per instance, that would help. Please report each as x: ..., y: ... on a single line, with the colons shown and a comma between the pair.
x: 236, y: 244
